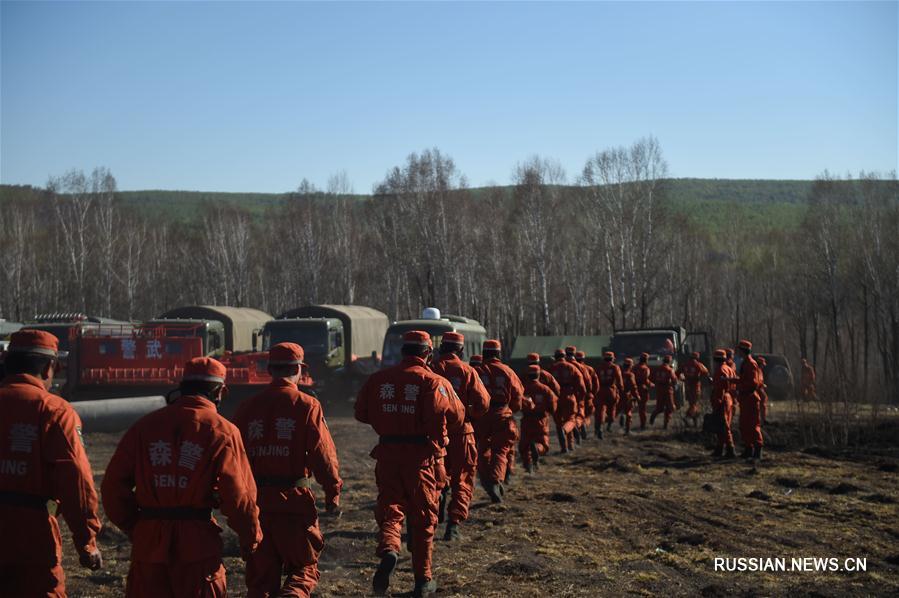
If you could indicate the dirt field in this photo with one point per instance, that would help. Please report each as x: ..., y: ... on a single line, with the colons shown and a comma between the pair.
x: 645, y: 515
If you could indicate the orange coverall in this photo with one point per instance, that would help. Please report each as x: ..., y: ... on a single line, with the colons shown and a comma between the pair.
x: 168, y: 472
x: 590, y: 402
x: 763, y: 390
x: 643, y: 373
x: 610, y: 386
x: 588, y: 396
x: 693, y: 372
x: 462, y: 453
x: 722, y: 402
x: 807, y: 382
x: 572, y: 386
x: 750, y: 379
x: 496, y: 431
x: 664, y: 380
x: 42, y: 459
x: 286, y: 438
x: 539, y: 402
x: 410, y: 408
x: 629, y: 396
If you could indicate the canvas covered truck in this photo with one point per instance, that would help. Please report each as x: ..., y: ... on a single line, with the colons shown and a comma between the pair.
x: 546, y: 346
x: 435, y: 324
x: 342, y: 343
x: 659, y: 342
x: 114, y: 361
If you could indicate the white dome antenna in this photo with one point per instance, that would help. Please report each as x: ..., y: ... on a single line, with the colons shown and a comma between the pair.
x: 430, y: 313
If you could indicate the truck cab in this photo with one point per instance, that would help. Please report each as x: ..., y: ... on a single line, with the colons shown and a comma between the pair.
x: 168, y: 330
x: 436, y: 325
x: 321, y: 339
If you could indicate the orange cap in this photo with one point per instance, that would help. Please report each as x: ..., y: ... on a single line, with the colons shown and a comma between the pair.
x: 476, y: 360
x: 492, y: 344
x: 608, y: 355
x: 570, y: 350
x: 720, y: 354
x: 580, y: 355
x: 286, y: 354
x: 628, y: 361
x: 37, y: 342
x: 452, y: 338
x: 204, y: 369
x: 644, y: 356
x: 559, y: 353
x: 533, y: 369
x: 417, y: 337
x: 745, y: 345
x: 533, y: 358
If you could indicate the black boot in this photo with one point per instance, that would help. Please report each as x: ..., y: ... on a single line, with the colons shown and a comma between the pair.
x: 563, y: 443
x: 452, y: 532
x: 495, y: 492
x: 729, y: 452
x: 746, y: 454
x: 381, y: 581
x: 757, y: 454
x: 577, y: 436
x: 584, y: 432
x: 535, y: 456
x: 718, y: 452
x: 424, y: 587
x: 609, y: 426
x: 620, y: 421
x: 441, y: 508
x: 652, y: 419
x: 599, y: 431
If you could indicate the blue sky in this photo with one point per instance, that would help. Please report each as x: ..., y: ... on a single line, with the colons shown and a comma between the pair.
x: 257, y: 96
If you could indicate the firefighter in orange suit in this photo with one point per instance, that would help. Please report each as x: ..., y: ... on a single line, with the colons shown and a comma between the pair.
x: 571, y: 382
x: 807, y: 381
x: 693, y: 372
x: 42, y: 459
x: 167, y: 474
x: 590, y: 405
x: 630, y: 395
x: 496, y: 431
x: 538, y: 404
x: 643, y: 373
x: 546, y: 376
x: 287, y: 439
x: 664, y: 380
x: 462, y: 452
x: 411, y: 409
x: 722, y: 404
x: 749, y: 380
x: 763, y: 390
x: 610, y: 387
x: 580, y: 430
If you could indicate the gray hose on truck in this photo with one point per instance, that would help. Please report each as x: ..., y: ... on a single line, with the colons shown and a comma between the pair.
x: 115, y: 415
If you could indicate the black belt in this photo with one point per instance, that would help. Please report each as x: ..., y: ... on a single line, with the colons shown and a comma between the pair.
x: 498, y: 404
x: 393, y: 439
x: 21, y: 499
x: 176, y: 513
x: 274, y: 481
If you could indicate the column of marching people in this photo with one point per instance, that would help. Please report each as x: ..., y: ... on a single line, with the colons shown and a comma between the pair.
x: 441, y: 423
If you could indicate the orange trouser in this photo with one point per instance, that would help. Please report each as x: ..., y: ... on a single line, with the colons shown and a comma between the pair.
x: 39, y: 572
x: 201, y: 579
x: 291, y: 543
x: 763, y: 407
x: 664, y: 402
x: 497, y: 434
x: 461, y: 464
x: 589, y: 408
x: 750, y: 420
x: 406, y: 487
x: 534, y: 430
x: 725, y: 438
x: 694, y: 394
x: 643, y: 399
x: 607, y: 403
x: 565, y: 421
x: 626, y: 406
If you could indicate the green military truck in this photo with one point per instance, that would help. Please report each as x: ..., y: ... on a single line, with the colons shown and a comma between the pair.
x: 435, y: 324
x: 659, y: 342
x: 342, y: 343
x: 545, y: 346
x: 222, y: 328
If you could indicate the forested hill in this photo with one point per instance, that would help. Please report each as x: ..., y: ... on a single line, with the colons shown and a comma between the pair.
x: 758, y: 203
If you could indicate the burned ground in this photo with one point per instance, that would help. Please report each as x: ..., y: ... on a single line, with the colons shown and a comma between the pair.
x: 645, y: 514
